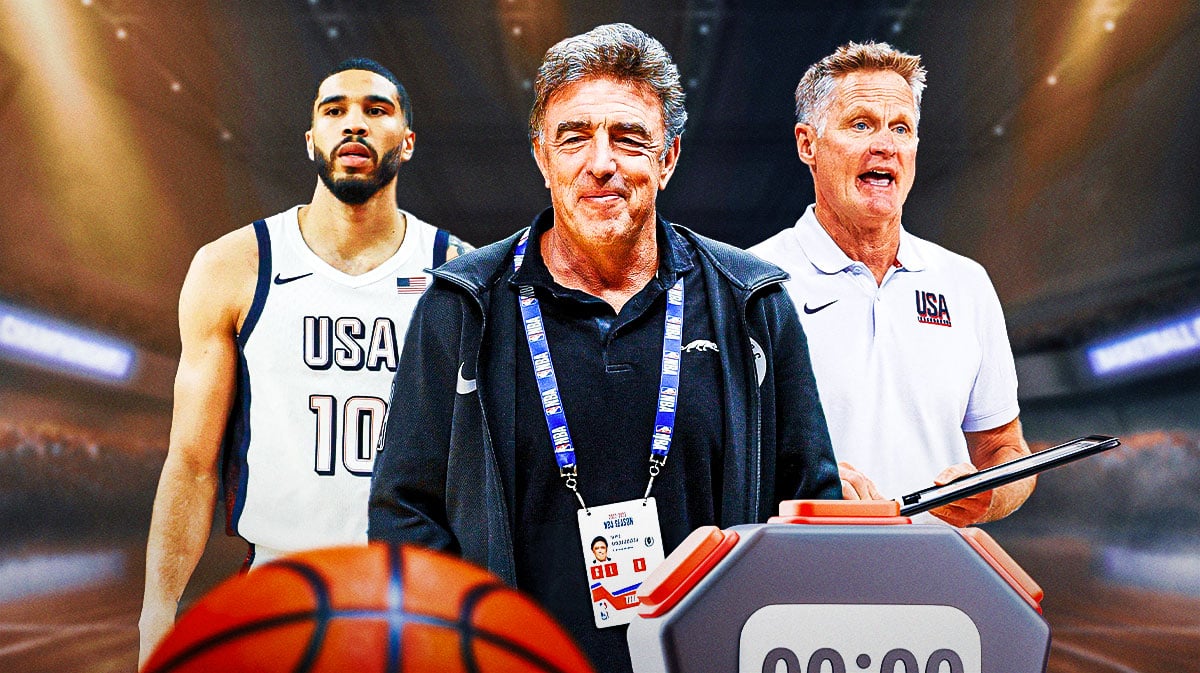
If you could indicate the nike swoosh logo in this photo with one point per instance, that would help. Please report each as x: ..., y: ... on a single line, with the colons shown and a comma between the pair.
x: 464, y: 386
x: 279, y: 280
x: 811, y: 311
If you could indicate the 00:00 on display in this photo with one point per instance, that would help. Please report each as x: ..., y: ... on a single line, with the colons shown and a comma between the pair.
x: 895, y: 661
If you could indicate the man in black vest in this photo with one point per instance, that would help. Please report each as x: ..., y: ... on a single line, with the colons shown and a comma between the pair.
x: 554, y: 373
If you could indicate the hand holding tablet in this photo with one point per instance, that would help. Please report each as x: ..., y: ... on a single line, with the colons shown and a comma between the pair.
x: 999, y: 475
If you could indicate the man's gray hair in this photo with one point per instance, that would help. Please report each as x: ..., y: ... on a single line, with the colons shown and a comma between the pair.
x: 814, y: 94
x: 618, y: 51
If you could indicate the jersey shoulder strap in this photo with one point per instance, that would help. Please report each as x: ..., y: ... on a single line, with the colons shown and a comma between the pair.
x: 441, y: 242
x: 263, y: 285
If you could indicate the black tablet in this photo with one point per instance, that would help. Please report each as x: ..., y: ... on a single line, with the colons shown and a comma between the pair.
x: 999, y: 475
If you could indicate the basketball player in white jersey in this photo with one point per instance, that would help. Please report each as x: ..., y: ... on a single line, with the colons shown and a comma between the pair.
x: 291, y: 330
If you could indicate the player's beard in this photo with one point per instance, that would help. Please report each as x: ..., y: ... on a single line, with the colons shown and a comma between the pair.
x: 354, y: 190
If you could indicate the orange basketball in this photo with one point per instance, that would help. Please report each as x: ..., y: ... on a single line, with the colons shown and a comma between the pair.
x: 387, y: 608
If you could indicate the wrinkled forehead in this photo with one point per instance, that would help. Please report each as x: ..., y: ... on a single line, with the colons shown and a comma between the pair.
x: 596, y: 98
x: 862, y: 87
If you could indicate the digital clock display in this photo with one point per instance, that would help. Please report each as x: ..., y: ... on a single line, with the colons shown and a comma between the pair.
x: 850, y: 638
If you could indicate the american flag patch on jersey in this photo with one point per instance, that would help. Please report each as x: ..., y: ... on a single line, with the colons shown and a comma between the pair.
x: 411, y: 285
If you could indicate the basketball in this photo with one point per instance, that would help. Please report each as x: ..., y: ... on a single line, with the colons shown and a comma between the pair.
x: 383, y: 607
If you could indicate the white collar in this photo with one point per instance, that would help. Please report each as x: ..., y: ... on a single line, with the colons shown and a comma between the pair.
x: 825, y: 254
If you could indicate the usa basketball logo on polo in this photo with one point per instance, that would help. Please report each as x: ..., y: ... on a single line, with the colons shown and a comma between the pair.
x: 932, y: 309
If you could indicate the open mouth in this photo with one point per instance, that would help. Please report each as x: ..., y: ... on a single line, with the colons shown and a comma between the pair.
x: 878, y: 178
x: 354, y: 154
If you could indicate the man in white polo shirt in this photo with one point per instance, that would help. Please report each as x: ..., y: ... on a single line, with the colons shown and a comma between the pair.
x: 908, y: 342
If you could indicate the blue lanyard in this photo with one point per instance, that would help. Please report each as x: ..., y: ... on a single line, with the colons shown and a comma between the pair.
x: 543, y: 370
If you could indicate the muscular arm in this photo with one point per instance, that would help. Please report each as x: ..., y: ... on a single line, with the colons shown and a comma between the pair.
x: 988, y: 448
x: 211, y: 305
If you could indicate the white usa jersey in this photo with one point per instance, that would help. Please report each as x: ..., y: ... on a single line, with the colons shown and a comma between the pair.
x: 316, y: 356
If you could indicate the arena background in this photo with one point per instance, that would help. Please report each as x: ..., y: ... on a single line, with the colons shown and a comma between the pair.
x: 1059, y: 145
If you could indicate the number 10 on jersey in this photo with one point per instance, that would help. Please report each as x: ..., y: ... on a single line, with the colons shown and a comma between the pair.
x: 361, y: 423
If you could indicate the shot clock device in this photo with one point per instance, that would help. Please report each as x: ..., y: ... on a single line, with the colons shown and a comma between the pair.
x: 850, y: 586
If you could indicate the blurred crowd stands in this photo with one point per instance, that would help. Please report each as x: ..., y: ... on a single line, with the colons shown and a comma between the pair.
x: 1138, y: 492
x: 57, y: 478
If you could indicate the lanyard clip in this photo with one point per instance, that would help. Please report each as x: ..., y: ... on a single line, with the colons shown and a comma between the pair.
x: 656, y: 463
x: 568, y: 473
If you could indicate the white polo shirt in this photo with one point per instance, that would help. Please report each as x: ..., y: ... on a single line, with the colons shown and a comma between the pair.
x: 903, y: 368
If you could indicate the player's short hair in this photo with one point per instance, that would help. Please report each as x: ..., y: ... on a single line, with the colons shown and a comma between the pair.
x: 814, y: 94
x: 598, y: 538
x: 618, y: 51
x: 362, y: 63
